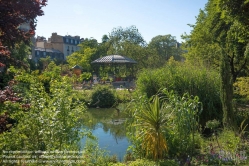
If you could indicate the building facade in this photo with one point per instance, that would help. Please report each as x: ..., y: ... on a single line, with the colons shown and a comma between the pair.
x: 65, y: 44
x: 44, y: 52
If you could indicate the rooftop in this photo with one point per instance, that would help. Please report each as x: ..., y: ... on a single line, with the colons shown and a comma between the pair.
x: 47, y: 50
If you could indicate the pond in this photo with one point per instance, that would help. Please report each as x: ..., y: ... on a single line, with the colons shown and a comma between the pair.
x: 108, y: 126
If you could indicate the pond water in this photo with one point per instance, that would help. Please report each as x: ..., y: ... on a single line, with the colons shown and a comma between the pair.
x: 108, y: 126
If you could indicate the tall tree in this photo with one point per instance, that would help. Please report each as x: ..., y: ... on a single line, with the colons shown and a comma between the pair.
x: 16, y: 14
x: 128, y: 42
x: 165, y: 46
x: 105, y: 38
x: 82, y: 58
x: 238, y: 9
x: 119, y: 36
x: 220, y: 34
x: 20, y: 51
x: 201, y: 50
x: 100, y: 48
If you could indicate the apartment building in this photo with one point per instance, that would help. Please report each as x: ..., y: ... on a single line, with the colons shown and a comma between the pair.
x: 44, y: 52
x: 65, y: 44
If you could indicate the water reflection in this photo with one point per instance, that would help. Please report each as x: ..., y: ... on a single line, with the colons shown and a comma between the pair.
x: 108, y: 126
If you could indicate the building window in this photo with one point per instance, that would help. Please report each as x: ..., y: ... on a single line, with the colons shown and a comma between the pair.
x: 67, y: 40
x: 71, y: 41
x: 75, y: 41
x: 67, y: 50
x: 44, y: 53
x: 37, y: 54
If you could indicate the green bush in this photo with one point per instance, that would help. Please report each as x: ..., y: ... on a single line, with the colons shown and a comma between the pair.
x: 184, y: 78
x: 50, y: 122
x: 175, y: 117
x: 4, y: 79
x: 102, y: 97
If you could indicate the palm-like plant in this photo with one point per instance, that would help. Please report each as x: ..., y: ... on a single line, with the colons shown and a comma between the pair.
x: 151, y: 120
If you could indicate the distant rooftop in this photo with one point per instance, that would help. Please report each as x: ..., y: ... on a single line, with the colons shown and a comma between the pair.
x: 47, y: 50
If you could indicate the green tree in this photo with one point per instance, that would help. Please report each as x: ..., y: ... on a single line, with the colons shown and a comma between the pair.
x: 137, y: 52
x: 237, y: 9
x: 89, y: 43
x: 45, y: 62
x: 201, y: 50
x: 165, y: 47
x: 105, y: 38
x: 119, y: 35
x: 227, y: 39
x: 82, y: 58
x: 129, y: 42
x: 215, y: 33
x: 21, y: 51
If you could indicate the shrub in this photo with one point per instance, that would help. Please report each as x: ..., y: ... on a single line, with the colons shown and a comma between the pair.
x: 184, y: 78
x: 103, y: 97
x: 226, y: 149
x: 173, y: 119
x: 51, y: 122
x: 242, y: 87
x: 93, y: 155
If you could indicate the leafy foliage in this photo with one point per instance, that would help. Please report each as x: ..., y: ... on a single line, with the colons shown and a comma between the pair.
x: 102, y: 97
x: 184, y: 78
x: 165, y: 47
x: 183, y: 125
x: 82, y: 58
x: 242, y: 86
x: 151, y: 120
x: 221, y: 35
x: 20, y: 51
x: 50, y: 123
x: 15, y: 13
x: 170, y: 118
x: 237, y: 9
x: 212, y: 124
x: 120, y: 35
x: 94, y: 155
x: 227, y: 149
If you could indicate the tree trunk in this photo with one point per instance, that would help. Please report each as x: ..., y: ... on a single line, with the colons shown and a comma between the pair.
x: 227, y: 93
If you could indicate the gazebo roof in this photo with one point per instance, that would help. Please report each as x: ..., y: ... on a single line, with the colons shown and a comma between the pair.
x: 114, y: 59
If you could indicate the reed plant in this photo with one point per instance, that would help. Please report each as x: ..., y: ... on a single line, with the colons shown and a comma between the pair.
x: 185, y: 78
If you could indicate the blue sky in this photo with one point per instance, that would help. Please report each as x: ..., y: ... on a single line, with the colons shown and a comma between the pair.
x: 94, y: 18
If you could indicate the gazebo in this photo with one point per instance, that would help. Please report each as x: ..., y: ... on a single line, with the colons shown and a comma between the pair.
x: 114, y: 59
x: 116, y: 63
